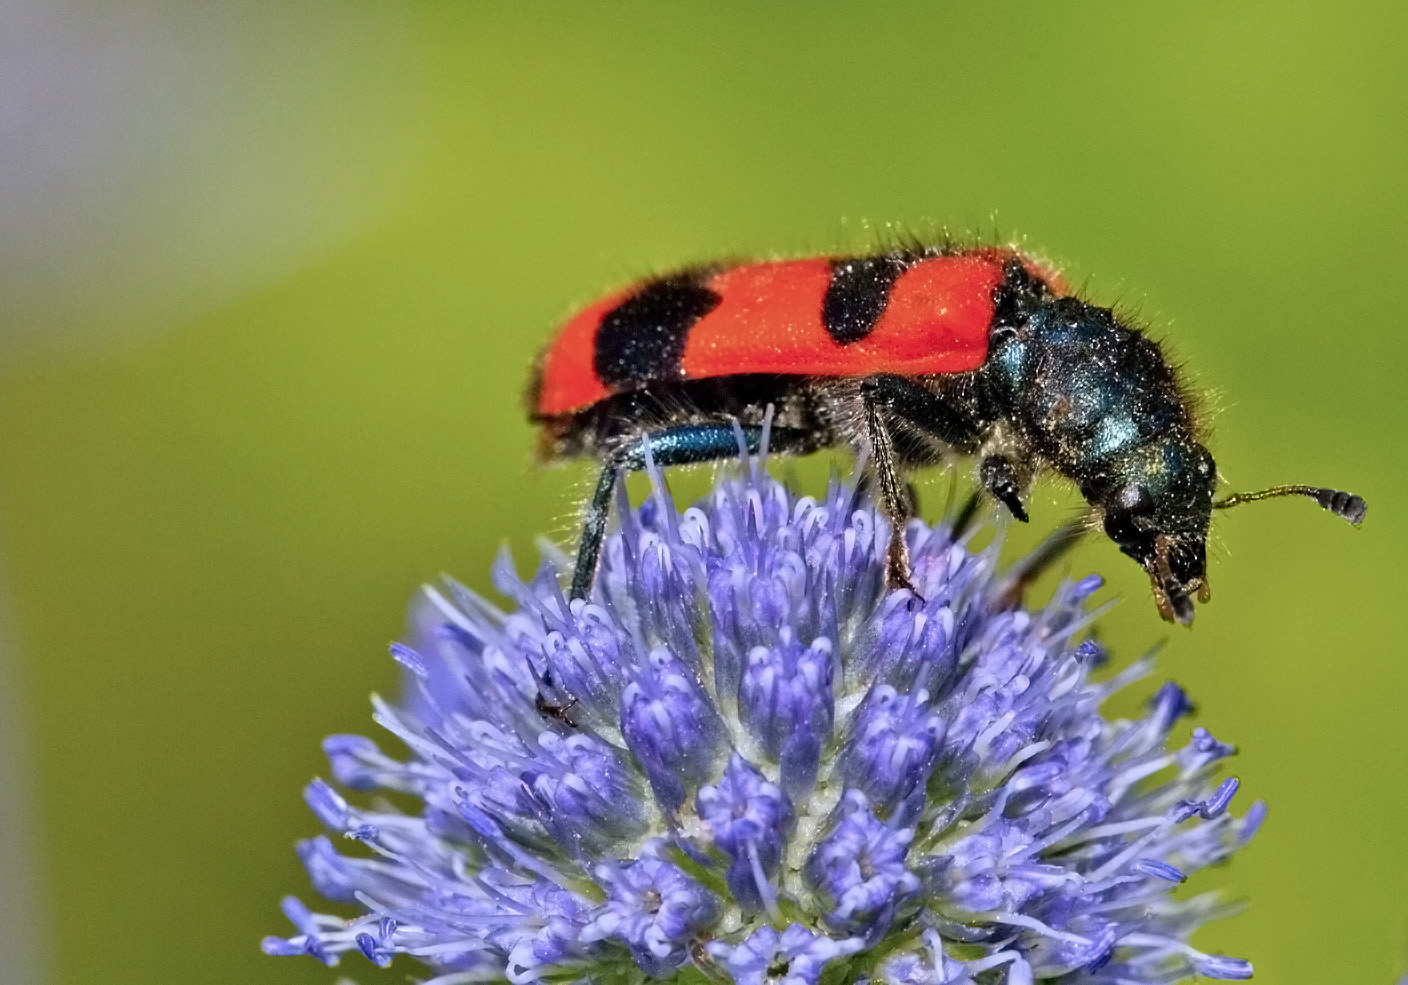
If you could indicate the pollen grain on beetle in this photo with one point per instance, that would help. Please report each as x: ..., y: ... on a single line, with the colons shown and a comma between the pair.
x: 761, y: 766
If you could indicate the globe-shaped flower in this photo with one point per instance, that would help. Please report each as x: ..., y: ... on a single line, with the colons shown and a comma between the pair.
x: 742, y: 758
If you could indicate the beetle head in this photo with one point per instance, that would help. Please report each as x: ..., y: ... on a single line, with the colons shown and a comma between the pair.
x: 1157, y: 501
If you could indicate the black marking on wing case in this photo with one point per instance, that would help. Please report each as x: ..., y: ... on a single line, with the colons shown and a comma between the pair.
x: 643, y: 338
x: 857, y: 295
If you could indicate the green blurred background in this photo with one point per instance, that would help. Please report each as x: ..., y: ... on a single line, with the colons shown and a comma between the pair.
x: 270, y: 275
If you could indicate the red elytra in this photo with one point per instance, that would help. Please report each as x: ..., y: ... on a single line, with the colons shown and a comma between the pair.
x: 769, y: 320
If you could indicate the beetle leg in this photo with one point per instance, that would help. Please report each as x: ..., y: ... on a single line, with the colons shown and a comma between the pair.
x: 919, y: 407
x: 893, y: 500
x: 862, y: 489
x: 690, y: 444
x: 594, y: 529
x: 885, y: 396
x: 1000, y: 480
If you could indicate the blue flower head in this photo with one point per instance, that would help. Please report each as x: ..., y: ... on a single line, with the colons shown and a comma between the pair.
x: 742, y: 758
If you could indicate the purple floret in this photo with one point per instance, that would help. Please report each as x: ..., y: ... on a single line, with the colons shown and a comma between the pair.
x: 655, y: 908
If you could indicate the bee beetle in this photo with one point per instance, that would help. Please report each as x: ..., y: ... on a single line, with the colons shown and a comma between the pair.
x: 909, y: 357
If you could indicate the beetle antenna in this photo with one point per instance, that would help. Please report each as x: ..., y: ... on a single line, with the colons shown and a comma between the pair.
x: 1344, y: 505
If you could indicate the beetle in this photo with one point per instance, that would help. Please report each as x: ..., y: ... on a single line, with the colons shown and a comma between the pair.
x: 908, y: 356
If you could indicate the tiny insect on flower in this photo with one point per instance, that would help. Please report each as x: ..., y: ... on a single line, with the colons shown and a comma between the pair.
x: 772, y: 769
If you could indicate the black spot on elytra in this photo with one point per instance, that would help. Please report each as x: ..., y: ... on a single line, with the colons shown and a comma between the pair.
x: 857, y: 295
x: 643, y: 338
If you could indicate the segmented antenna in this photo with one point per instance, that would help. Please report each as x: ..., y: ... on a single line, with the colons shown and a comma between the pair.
x: 1344, y: 505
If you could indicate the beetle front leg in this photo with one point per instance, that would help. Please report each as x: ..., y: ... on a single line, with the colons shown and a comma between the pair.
x: 999, y: 478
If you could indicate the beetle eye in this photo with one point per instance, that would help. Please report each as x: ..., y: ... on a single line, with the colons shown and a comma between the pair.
x: 1129, y: 518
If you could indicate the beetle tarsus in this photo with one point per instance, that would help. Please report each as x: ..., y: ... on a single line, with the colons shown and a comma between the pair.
x: 999, y: 479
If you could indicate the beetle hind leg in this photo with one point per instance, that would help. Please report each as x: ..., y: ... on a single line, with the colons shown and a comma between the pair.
x: 690, y: 444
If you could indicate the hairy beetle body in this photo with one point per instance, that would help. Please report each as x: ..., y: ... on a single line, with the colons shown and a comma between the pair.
x: 911, y: 357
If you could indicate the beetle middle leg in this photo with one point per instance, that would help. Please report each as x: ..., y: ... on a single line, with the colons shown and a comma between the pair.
x: 892, y: 498
x: 886, y: 399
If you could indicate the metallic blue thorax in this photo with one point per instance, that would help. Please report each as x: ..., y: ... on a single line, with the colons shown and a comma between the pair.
x: 1083, y: 387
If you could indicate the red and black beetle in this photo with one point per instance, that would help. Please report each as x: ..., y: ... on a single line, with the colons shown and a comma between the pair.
x: 911, y: 356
